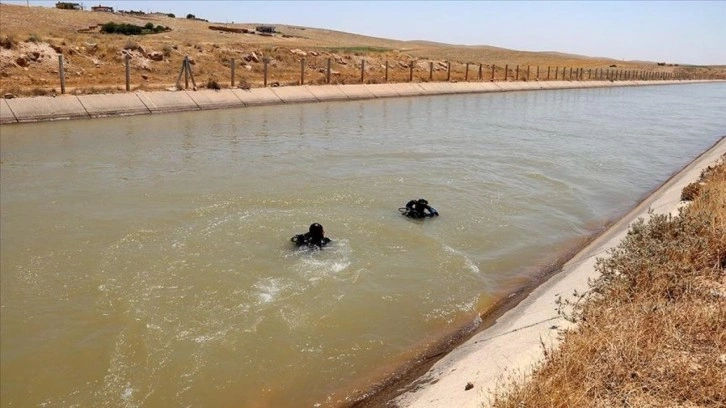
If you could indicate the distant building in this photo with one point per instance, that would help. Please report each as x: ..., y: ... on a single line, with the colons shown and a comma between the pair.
x: 265, y: 29
x: 68, y: 6
x: 106, y: 9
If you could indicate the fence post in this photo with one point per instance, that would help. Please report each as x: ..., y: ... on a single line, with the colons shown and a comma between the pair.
x: 516, y: 77
x: 448, y: 71
x: 128, y: 72
x: 186, y: 72
x: 265, y: 61
x: 191, y: 74
x: 327, y: 73
x: 362, y: 71
x: 506, y: 71
x: 232, y: 85
x: 302, y: 71
x: 62, y: 73
x: 480, y: 72
x: 466, y: 74
x: 431, y: 71
x: 548, y: 73
x: 493, y: 68
x: 386, y: 80
x: 538, y: 72
x: 527, y: 72
x: 410, y: 71
x: 557, y: 72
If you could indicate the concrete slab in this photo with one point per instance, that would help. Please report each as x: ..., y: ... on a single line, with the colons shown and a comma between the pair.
x: 382, y: 90
x: 6, y: 114
x: 122, y: 104
x: 522, y: 85
x: 508, y: 86
x: 47, y: 108
x: 429, y: 88
x: 409, y: 89
x: 463, y: 87
x: 215, y: 99
x: 167, y: 101
x: 328, y: 93
x: 567, y: 84
x: 257, y: 96
x: 513, y: 345
x: 437, y: 88
x: 547, y: 84
x: 534, y: 84
x: 295, y: 94
x: 357, y: 91
x: 485, y: 87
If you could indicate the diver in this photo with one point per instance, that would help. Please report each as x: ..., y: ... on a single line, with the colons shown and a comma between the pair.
x: 315, y: 237
x: 418, y: 209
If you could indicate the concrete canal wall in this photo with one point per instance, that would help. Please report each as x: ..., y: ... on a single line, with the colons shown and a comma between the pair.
x: 45, y: 108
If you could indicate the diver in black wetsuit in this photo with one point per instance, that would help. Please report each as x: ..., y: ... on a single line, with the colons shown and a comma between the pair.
x: 418, y: 209
x: 315, y: 237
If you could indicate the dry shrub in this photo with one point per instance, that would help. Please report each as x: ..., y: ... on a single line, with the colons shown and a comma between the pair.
x: 7, y: 41
x: 213, y: 84
x: 690, y: 191
x: 652, y: 331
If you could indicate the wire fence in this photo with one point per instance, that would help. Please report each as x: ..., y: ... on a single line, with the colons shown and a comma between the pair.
x: 418, y: 71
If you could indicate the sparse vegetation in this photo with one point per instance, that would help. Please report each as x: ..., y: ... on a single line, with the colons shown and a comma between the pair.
x: 213, y: 84
x: 359, y: 50
x: 7, y: 41
x: 68, y: 6
x: 132, y: 29
x: 691, y: 191
x: 167, y: 49
x: 131, y: 45
x: 652, y: 330
x: 34, y: 38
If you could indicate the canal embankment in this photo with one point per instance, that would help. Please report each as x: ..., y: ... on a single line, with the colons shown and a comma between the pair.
x: 65, y: 107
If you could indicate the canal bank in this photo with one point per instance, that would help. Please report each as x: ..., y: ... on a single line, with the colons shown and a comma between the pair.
x: 512, y: 339
x: 47, y: 108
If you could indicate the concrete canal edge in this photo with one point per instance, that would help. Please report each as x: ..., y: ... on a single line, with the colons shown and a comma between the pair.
x: 47, y: 108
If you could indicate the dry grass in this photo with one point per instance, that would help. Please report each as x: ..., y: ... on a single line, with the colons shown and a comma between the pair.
x: 95, y: 60
x: 652, y: 330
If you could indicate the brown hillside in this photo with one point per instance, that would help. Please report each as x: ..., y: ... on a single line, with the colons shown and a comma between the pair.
x: 32, y: 37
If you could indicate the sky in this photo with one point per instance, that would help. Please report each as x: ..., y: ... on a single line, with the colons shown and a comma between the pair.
x: 684, y: 32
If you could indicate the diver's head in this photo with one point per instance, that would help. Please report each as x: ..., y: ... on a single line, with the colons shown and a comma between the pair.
x: 316, y: 230
x: 422, y: 201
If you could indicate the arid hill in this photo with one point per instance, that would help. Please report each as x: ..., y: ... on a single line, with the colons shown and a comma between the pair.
x: 31, y: 38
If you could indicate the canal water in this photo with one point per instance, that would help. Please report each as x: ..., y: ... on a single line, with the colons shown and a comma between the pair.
x: 146, y: 261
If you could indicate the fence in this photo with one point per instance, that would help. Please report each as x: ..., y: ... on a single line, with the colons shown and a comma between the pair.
x: 480, y: 72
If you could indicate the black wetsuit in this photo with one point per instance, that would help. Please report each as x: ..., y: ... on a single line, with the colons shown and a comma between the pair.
x: 416, y: 209
x: 310, y: 240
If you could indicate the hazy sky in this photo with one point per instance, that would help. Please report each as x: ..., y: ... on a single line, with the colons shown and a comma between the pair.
x: 688, y: 32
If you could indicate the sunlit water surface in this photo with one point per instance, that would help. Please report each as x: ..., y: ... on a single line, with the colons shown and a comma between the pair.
x: 146, y: 260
